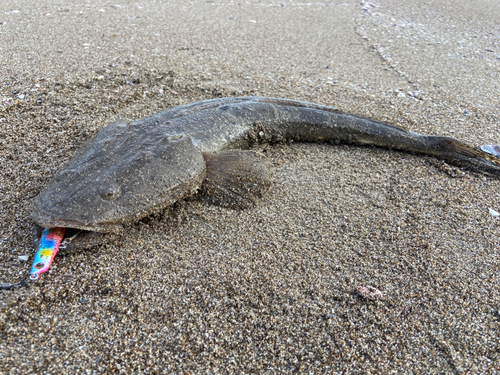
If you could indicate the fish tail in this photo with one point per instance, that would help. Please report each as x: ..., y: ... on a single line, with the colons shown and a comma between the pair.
x: 453, y: 151
x: 458, y: 153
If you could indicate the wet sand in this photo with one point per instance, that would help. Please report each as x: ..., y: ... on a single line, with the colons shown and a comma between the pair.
x: 204, y: 289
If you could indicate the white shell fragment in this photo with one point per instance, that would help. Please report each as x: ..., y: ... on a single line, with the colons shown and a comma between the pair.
x: 24, y: 258
x: 494, y: 213
x: 491, y: 149
x: 368, y: 292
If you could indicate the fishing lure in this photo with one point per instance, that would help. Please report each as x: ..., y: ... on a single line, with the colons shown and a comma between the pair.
x: 47, y: 250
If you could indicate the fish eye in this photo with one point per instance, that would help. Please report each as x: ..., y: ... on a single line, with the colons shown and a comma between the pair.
x: 39, y: 265
x: 112, y: 192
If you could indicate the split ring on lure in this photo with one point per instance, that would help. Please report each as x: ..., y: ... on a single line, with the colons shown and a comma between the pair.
x: 47, y: 249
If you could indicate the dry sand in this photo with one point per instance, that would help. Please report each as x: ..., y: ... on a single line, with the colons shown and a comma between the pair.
x: 268, y: 290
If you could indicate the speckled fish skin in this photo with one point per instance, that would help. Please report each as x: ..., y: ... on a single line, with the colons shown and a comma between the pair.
x: 130, y: 170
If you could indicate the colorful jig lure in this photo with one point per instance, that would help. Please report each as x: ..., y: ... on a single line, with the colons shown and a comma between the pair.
x: 47, y: 250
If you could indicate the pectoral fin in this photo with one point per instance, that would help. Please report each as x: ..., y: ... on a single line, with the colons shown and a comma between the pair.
x: 235, y: 178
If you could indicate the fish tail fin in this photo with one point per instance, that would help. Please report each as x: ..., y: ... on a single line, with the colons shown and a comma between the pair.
x: 461, y: 154
x: 235, y: 178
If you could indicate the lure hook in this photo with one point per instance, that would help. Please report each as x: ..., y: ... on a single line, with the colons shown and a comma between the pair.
x: 22, y: 283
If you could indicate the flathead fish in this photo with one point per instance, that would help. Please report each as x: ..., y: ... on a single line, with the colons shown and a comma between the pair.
x: 132, y: 169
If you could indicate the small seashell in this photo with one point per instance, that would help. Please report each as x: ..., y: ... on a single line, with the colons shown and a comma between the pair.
x: 368, y: 292
x: 24, y: 258
x: 494, y: 213
x: 491, y: 149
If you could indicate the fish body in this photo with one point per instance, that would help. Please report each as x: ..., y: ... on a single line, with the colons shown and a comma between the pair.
x: 130, y: 170
x: 47, y: 249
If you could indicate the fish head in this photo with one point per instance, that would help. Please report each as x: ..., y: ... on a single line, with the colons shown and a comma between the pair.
x: 123, y: 174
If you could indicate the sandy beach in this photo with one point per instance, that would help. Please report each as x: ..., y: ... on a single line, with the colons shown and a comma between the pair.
x: 204, y: 289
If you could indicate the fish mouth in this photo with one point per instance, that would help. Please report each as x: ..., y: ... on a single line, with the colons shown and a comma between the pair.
x: 98, y: 227
x: 76, y: 240
x: 52, y: 218
x: 46, y: 220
